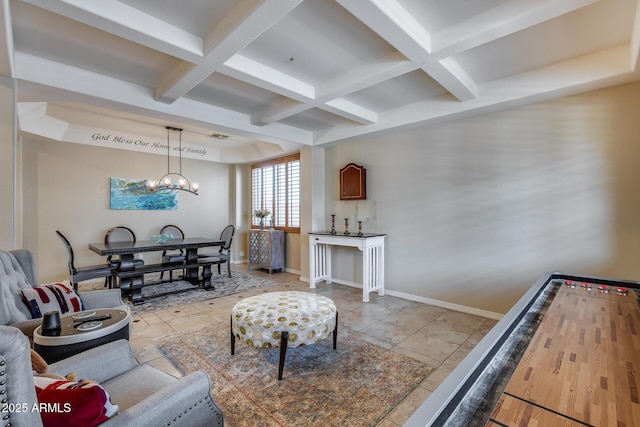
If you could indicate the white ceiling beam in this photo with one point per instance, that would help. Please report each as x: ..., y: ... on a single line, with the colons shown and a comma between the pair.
x: 132, y: 24
x: 390, y: 20
x: 7, y: 64
x: 500, y: 21
x: 299, y: 96
x: 589, y: 72
x: 246, y: 22
x: 445, y: 70
x: 245, y: 69
x: 338, y: 106
x: 280, y: 110
x: 104, y: 91
x: 351, y: 110
x: 366, y: 76
x: 257, y: 74
x: 353, y: 81
x: 453, y: 77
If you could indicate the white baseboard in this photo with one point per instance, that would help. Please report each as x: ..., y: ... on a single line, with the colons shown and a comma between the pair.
x: 434, y: 302
x: 448, y: 305
x: 245, y: 261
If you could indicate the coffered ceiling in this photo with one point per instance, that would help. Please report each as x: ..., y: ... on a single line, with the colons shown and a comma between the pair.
x: 270, y: 76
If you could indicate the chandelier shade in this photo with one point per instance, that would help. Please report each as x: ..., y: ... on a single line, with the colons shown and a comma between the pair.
x: 173, y: 180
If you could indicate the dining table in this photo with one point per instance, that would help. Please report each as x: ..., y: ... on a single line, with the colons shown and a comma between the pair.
x: 132, y: 276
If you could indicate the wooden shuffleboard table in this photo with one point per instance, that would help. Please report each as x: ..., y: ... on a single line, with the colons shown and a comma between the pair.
x: 568, y: 354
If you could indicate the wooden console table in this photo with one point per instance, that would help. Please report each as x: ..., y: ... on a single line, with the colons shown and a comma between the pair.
x: 372, y: 247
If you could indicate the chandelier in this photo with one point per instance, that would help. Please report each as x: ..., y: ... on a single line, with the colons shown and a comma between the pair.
x: 173, y: 180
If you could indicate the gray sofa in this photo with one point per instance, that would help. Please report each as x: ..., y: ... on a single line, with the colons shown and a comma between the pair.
x: 146, y: 396
x: 18, y: 271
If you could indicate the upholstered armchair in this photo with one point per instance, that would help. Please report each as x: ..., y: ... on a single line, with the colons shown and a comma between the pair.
x: 145, y: 396
x: 18, y: 272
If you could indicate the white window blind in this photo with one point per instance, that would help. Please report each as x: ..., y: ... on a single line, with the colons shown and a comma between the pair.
x: 275, y: 186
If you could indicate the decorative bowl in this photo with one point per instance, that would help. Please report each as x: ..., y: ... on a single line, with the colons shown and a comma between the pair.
x: 162, y: 238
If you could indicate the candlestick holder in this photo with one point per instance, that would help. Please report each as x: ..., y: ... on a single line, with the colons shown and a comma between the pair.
x: 333, y: 225
x: 360, y: 233
x: 346, y: 227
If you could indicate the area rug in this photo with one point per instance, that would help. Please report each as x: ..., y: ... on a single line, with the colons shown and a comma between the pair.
x: 181, y: 292
x: 356, y: 385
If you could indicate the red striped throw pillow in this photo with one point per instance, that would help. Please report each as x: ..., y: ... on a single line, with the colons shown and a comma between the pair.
x: 58, y: 297
x: 68, y: 403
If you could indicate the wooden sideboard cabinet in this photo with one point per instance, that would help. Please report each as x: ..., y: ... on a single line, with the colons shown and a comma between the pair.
x: 266, y: 249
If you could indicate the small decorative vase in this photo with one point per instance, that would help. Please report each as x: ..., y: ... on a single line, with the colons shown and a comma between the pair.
x: 261, y: 223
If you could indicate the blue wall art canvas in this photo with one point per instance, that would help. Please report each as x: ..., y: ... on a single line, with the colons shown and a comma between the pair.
x: 133, y: 194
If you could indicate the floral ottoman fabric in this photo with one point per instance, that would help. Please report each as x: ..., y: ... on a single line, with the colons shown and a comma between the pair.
x: 259, y: 320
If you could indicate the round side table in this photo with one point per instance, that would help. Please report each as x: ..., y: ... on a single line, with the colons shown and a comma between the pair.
x: 283, y: 319
x: 73, y: 338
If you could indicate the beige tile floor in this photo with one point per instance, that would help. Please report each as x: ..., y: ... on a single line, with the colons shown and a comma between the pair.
x: 438, y: 337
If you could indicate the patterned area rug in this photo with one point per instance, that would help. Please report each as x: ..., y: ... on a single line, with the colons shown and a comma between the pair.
x: 179, y: 292
x: 356, y: 385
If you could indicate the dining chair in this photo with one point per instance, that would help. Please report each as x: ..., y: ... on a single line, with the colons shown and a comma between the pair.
x: 224, y: 255
x: 120, y: 233
x: 90, y: 272
x: 172, y: 257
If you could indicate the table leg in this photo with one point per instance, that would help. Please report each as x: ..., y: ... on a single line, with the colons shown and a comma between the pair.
x: 319, y: 263
x: 335, y: 333
x: 327, y: 263
x: 131, y: 286
x: 366, y: 274
x: 372, y: 271
x: 284, y: 340
x: 126, y: 264
x: 233, y: 338
x: 312, y: 264
x: 381, y: 271
x: 191, y: 257
x: 137, y: 283
x: 206, y: 277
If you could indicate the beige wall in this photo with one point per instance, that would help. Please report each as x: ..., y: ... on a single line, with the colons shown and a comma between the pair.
x: 66, y: 188
x: 477, y: 209
x: 7, y: 175
x: 241, y: 218
x: 292, y: 252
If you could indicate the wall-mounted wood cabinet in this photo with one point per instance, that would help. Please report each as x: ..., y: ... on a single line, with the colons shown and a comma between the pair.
x: 353, y: 182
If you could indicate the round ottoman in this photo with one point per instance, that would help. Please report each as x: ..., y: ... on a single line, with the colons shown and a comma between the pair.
x: 283, y: 319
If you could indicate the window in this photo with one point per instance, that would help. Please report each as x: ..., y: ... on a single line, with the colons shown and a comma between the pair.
x: 275, y: 185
